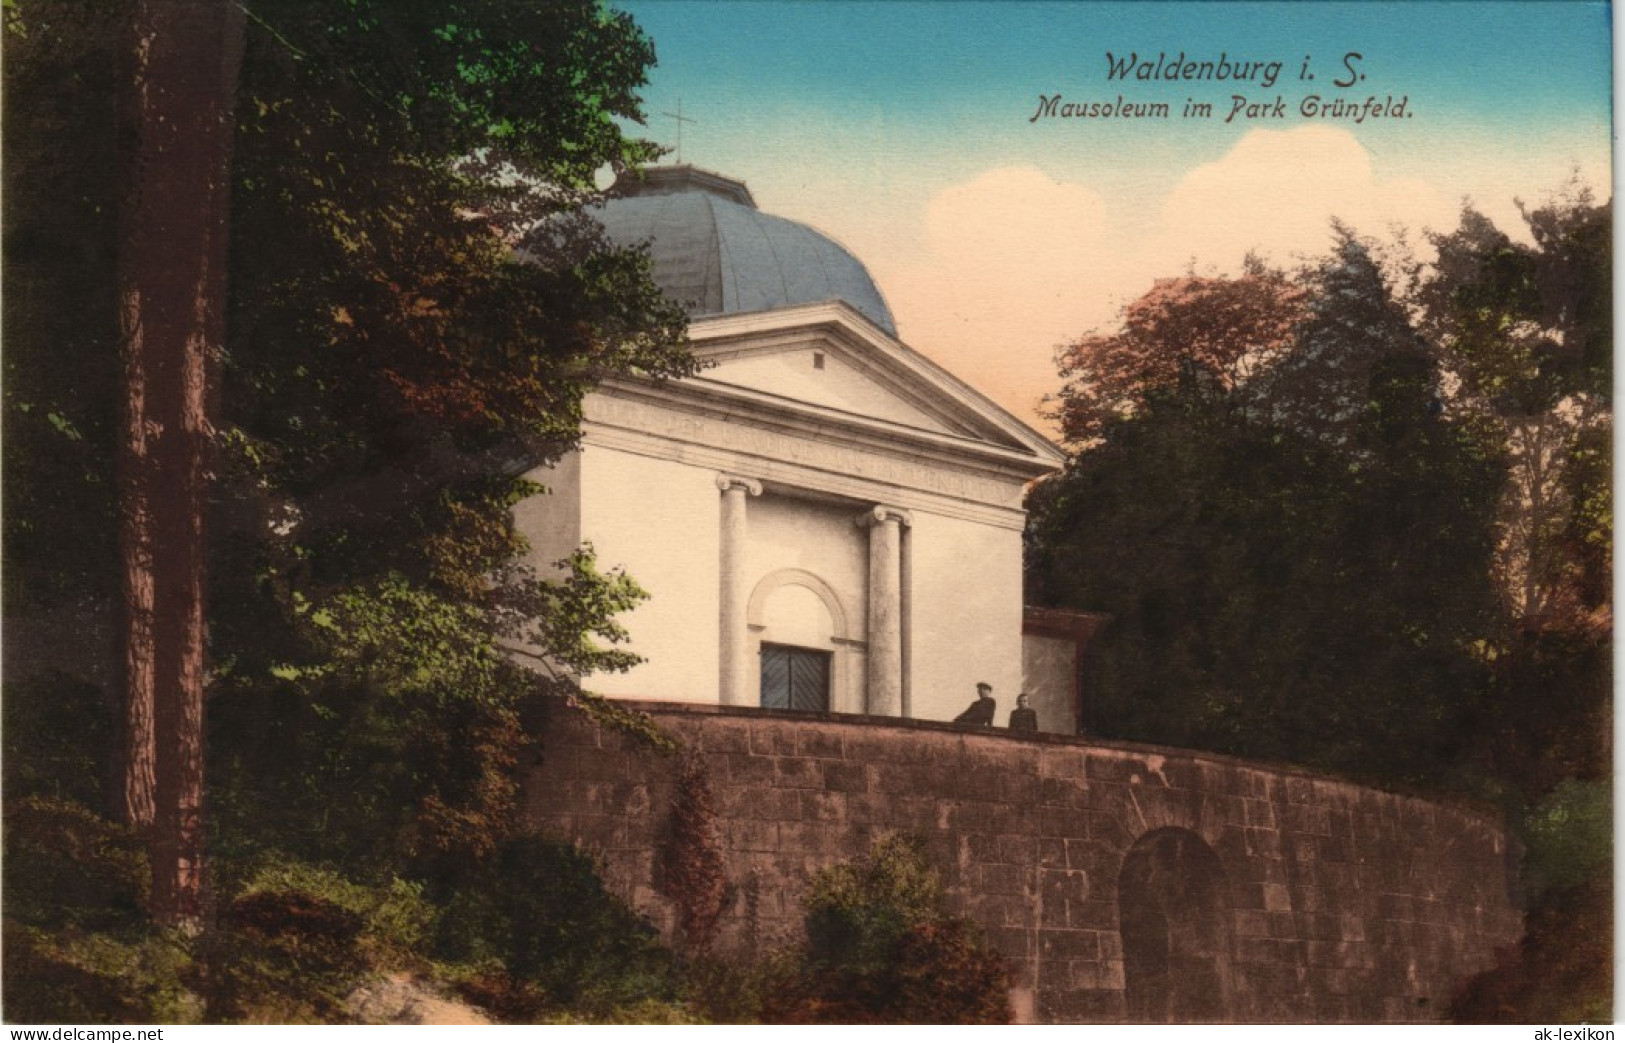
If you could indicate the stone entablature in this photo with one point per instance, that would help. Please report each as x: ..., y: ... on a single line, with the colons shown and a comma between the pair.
x: 1311, y: 899
x: 972, y: 462
x: 807, y: 457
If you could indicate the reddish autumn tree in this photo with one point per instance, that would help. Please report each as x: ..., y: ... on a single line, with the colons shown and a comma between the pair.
x: 1192, y: 332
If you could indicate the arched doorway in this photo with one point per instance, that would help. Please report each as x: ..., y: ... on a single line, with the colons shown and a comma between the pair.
x: 1174, y: 913
x: 799, y: 631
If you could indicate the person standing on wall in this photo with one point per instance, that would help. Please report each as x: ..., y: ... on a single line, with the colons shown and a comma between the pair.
x: 1023, y: 718
x: 981, y: 711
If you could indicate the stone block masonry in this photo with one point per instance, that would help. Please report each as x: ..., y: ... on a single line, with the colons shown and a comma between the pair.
x: 1122, y: 882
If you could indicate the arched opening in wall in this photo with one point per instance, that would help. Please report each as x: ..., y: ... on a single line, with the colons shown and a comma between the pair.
x: 796, y: 638
x: 1174, y: 913
x: 798, y: 629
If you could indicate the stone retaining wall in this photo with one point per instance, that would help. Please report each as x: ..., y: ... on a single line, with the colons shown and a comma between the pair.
x: 1123, y: 882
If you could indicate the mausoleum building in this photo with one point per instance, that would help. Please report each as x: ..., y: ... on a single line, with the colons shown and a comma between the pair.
x: 828, y: 521
x: 824, y: 518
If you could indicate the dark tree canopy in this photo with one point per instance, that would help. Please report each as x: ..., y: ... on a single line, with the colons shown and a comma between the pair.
x: 419, y: 306
x: 62, y: 140
x: 1386, y: 549
x: 416, y: 304
x: 1296, y: 567
x: 1357, y: 370
x: 1524, y: 326
x: 1527, y: 329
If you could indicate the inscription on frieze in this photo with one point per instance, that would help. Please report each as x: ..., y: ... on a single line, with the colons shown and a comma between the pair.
x: 808, y: 452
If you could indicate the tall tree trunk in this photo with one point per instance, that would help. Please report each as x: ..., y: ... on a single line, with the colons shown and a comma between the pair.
x: 172, y: 274
x: 138, y: 793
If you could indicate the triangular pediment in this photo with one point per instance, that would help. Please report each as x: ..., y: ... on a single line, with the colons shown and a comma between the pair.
x: 820, y: 374
x: 830, y: 358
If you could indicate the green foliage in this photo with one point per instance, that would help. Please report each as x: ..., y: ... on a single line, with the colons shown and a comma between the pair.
x: 881, y: 950
x: 396, y: 734
x: 1588, y: 535
x: 390, y: 159
x: 80, y: 977
x: 1297, y: 570
x: 1265, y: 600
x: 543, y: 933
x: 284, y: 957
x: 396, y: 919
x: 564, y: 620
x: 296, y: 939
x: 1527, y: 325
x: 1388, y: 552
x: 61, y: 145
x: 1527, y: 330
x: 733, y: 989
x: 940, y: 974
x: 1569, y: 836
x: 57, y: 737
x: 858, y: 911
x: 417, y: 305
x: 418, y: 302
x: 1358, y: 375
x: 67, y: 867
x: 638, y: 1012
x: 1550, y: 717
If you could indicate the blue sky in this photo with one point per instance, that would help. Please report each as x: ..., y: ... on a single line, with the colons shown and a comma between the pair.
x: 904, y: 130
x: 1469, y: 58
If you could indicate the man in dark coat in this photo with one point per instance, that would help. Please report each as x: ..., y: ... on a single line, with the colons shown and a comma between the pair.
x: 981, y: 711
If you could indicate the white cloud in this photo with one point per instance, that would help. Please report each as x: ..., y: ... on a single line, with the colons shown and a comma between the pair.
x: 1276, y: 192
x: 1014, y: 262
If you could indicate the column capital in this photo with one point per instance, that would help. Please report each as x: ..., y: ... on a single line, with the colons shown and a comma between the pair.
x: 727, y: 482
x: 879, y: 514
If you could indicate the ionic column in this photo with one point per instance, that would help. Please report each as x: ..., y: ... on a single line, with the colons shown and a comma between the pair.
x: 885, y: 525
x: 733, y: 650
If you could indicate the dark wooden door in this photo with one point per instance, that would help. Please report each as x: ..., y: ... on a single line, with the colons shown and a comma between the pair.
x: 794, y: 678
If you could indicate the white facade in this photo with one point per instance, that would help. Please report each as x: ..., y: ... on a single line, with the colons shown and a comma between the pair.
x: 821, y: 488
x: 824, y: 518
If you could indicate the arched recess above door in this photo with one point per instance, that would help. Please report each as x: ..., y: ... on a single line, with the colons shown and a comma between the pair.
x: 755, y: 611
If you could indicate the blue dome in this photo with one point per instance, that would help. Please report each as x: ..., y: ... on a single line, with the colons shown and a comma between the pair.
x: 716, y: 254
